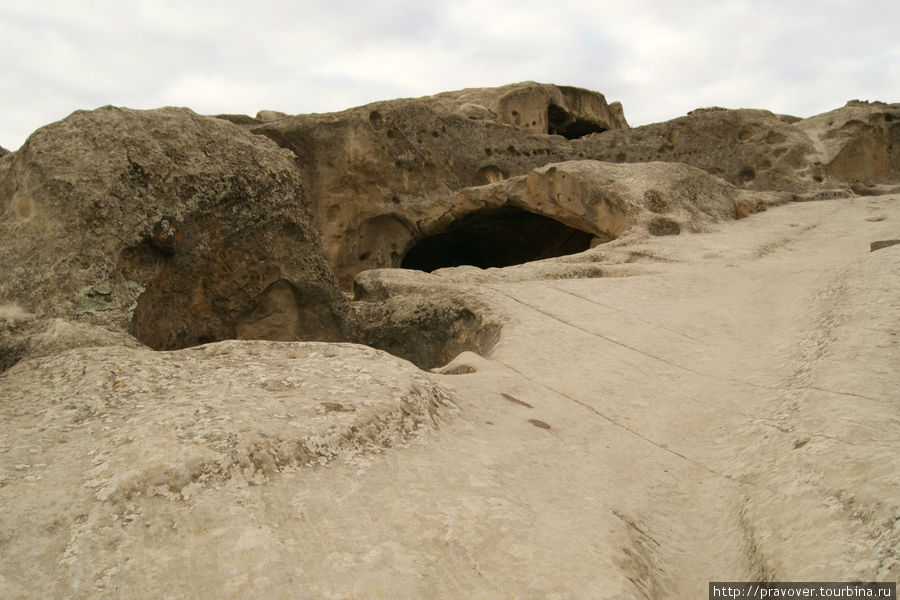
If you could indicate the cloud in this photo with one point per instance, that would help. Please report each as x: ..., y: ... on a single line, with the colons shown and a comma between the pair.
x: 659, y: 58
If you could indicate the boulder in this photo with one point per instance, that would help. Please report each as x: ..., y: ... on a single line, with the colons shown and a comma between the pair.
x: 419, y: 317
x: 265, y: 116
x: 179, y: 228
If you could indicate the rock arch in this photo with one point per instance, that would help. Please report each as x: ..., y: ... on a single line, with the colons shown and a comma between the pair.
x: 496, y: 238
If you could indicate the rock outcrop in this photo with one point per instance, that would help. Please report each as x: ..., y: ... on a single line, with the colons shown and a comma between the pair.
x: 3, y: 151
x: 612, y: 405
x: 180, y: 228
x: 536, y: 108
x: 759, y: 150
x: 24, y: 335
x: 422, y: 319
x: 364, y: 166
x: 599, y: 200
x: 857, y: 144
x: 368, y: 169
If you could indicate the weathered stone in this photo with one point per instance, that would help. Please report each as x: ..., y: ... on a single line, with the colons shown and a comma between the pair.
x: 367, y: 167
x: 269, y: 115
x: 174, y: 226
x: 749, y: 148
x: 113, y: 433
x: 375, y: 174
x: 756, y: 149
x: 24, y: 335
x: 421, y: 319
x: 858, y: 143
x: 537, y: 108
x: 564, y: 208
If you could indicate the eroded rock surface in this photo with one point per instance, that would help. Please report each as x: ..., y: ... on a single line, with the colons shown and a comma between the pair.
x: 537, y: 108
x: 378, y: 174
x: 366, y: 168
x: 556, y: 210
x: 679, y: 385
x: 858, y: 143
x: 180, y: 228
x: 421, y: 318
x: 25, y: 335
x: 759, y: 150
x: 124, y: 440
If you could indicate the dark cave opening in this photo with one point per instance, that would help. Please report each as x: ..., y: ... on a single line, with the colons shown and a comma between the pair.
x: 560, y: 122
x: 496, y: 238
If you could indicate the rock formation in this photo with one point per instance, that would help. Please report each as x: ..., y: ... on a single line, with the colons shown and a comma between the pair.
x: 180, y: 228
x: 759, y: 150
x: 365, y: 166
x: 373, y: 172
x: 121, y: 427
x: 641, y: 379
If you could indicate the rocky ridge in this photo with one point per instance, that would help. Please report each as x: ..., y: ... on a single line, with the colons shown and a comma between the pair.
x: 370, y: 170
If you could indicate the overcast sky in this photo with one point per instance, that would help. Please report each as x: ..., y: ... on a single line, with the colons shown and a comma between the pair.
x: 659, y: 58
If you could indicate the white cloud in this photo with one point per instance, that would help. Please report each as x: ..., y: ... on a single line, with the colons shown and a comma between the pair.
x: 659, y: 58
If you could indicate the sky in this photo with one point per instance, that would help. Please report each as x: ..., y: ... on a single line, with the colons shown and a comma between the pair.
x: 660, y: 58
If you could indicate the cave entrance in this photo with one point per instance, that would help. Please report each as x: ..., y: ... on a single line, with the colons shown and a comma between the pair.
x: 496, y: 238
x: 560, y: 122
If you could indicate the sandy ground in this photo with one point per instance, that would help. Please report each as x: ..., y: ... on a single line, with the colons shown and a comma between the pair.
x: 727, y: 411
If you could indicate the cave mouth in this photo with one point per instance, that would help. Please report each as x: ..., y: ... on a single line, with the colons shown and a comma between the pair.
x: 496, y: 238
x: 560, y: 122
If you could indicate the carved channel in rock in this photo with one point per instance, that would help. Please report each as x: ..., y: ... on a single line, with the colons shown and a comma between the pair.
x: 496, y: 238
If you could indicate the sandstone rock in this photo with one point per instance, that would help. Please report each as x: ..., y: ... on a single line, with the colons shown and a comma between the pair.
x: 180, y: 228
x: 757, y: 149
x: 425, y: 321
x: 537, y: 108
x: 244, y: 121
x: 367, y: 166
x: 858, y: 143
x: 378, y: 174
x: 25, y: 335
x: 266, y: 116
x: 119, y: 442
x: 557, y: 209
